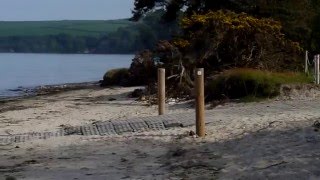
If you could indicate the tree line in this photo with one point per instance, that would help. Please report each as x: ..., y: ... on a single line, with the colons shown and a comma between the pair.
x: 143, y: 34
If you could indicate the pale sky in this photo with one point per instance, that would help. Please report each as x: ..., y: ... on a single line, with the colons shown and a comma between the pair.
x: 35, y: 10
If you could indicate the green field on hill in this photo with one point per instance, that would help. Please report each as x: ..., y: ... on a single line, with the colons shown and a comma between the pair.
x: 83, y: 36
x: 69, y: 27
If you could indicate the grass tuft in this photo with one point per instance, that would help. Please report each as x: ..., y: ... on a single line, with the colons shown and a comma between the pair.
x: 251, y: 84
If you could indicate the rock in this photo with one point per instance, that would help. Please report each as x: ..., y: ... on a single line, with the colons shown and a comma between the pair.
x: 124, y: 160
x: 137, y: 93
x: 179, y: 152
x: 192, y: 133
x: 172, y: 101
x: 142, y: 98
x: 316, y: 124
x: 115, y: 77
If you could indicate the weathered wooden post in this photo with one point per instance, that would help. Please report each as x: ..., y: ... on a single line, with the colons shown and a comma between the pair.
x: 306, y: 63
x: 315, y: 60
x: 199, y: 88
x: 317, y: 69
x: 161, y: 90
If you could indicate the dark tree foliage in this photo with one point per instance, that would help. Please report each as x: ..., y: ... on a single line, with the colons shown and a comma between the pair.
x: 142, y: 7
x: 298, y: 17
x: 226, y: 34
x: 191, y: 6
x: 142, y: 70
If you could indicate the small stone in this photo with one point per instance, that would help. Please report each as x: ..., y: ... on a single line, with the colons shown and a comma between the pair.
x: 142, y: 98
x: 192, y: 133
x: 316, y: 124
x: 137, y: 93
x: 179, y: 152
x: 124, y: 160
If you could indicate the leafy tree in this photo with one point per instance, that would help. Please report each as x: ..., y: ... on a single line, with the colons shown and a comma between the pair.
x: 296, y: 16
x: 220, y: 40
x: 224, y: 39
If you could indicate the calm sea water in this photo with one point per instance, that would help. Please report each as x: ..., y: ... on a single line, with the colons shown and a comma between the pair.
x: 30, y: 70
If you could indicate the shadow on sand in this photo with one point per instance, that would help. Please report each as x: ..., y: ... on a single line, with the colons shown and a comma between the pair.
x: 292, y: 153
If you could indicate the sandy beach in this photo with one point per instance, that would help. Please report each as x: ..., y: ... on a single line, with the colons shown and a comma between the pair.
x: 79, y: 107
x: 273, y: 139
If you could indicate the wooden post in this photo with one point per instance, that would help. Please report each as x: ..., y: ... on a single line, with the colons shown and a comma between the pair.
x: 306, y: 63
x: 161, y: 90
x: 317, y: 69
x: 199, y: 88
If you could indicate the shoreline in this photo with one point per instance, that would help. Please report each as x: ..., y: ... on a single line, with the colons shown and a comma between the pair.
x: 68, y: 53
x: 74, y: 106
x: 29, y: 92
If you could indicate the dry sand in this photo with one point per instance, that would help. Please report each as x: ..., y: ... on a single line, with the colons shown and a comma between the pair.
x: 79, y: 107
x: 265, y: 140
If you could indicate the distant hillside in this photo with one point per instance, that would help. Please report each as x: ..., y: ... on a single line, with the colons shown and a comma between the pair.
x: 102, y: 37
x: 68, y: 27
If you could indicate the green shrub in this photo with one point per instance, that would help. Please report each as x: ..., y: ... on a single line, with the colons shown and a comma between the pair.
x: 242, y: 83
x: 116, y: 77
